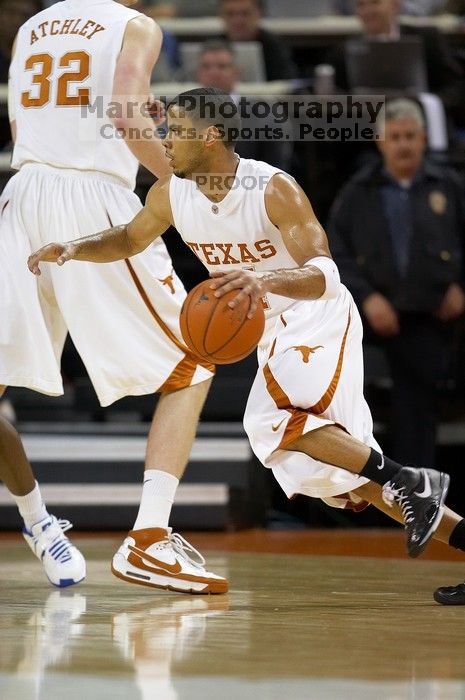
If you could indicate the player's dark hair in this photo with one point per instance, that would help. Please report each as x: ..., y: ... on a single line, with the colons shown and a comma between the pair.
x: 208, y: 106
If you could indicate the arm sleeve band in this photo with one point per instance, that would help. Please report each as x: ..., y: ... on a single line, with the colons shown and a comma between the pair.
x: 331, y: 274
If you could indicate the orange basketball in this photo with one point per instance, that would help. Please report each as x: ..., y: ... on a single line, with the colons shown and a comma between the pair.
x: 214, y: 331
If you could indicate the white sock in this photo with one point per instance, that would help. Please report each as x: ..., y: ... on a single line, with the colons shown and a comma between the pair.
x: 31, y: 507
x: 157, y: 499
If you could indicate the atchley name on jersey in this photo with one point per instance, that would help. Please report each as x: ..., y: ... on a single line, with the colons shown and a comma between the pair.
x: 61, y: 27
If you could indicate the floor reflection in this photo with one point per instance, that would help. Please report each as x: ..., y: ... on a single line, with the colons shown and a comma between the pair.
x: 299, y: 628
x: 155, y: 636
x: 60, y: 646
x: 47, y: 634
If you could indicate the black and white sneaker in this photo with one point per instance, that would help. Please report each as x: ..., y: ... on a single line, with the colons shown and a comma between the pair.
x: 420, y: 495
x: 450, y: 595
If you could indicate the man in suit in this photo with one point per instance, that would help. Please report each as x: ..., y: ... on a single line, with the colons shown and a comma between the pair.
x: 242, y: 23
x: 380, y: 21
x: 397, y: 235
x: 217, y: 67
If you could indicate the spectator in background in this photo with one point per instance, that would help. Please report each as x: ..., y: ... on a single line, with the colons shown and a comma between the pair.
x: 380, y: 20
x: 423, y: 8
x: 217, y: 68
x: 455, y: 7
x: 344, y: 7
x: 156, y: 9
x: 242, y: 23
x: 397, y: 235
x: 179, y: 8
x: 169, y: 62
x: 417, y: 8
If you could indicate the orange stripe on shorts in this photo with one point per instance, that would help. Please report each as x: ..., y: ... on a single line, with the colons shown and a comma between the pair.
x: 298, y: 417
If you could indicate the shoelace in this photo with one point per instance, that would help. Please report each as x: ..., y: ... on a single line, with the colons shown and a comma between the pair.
x: 185, y: 550
x: 392, y: 495
x: 56, y: 545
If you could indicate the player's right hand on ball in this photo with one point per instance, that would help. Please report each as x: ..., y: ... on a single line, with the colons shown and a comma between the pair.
x: 53, y: 252
x: 247, y: 283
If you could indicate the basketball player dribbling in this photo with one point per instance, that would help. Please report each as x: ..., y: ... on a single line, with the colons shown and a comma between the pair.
x: 306, y: 416
x: 124, y: 317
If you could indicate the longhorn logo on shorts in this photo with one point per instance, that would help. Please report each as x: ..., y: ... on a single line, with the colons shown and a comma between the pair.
x: 306, y: 351
x: 169, y: 282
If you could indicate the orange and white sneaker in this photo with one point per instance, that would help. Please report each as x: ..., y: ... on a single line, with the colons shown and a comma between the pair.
x: 162, y: 559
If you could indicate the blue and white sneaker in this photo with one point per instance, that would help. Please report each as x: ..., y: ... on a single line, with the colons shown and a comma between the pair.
x: 63, y: 563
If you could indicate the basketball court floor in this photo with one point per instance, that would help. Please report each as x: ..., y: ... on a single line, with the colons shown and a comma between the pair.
x: 294, y: 625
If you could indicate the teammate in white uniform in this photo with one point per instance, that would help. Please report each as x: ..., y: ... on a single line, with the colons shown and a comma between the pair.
x: 72, y: 62
x: 255, y: 231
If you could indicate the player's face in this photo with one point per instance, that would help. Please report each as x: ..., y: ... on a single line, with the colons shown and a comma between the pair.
x: 184, y: 145
x: 404, y: 146
x: 241, y: 19
x: 217, y: 69
x: 377, y: 16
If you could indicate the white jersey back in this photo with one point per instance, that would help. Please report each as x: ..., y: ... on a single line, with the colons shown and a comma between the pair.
x: 65, y: 59
x: 237, y: 231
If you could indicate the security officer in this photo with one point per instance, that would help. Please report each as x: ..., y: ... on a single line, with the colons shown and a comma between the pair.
x: 397, y: 234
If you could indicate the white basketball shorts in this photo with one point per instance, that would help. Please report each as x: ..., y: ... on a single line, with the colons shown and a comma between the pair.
x: 123, y: 317
x: 310, y: 374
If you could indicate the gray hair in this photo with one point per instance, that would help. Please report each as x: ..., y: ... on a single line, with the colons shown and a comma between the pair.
x: 400, y: 108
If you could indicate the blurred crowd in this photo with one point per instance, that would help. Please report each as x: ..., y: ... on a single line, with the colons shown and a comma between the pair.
x: 394, y: 209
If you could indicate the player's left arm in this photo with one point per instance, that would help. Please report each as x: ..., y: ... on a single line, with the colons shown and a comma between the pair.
x: 117, y: 242
x: 290, y: 211
x: 131, y: 87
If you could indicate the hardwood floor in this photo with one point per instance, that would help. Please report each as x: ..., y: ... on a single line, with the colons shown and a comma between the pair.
x: 329, y: 627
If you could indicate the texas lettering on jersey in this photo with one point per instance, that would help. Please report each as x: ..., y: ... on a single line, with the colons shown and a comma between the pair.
x: 62, y: 27
x: 233, y: 253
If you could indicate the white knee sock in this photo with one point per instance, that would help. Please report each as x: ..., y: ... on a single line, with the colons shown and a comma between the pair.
x: 31, y: 507
x: 157, y: 499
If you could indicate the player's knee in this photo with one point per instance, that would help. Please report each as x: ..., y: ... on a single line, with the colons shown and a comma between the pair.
x: 2, y: 390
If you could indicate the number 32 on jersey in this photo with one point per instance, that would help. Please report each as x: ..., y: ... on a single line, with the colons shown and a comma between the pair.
x: 46, y: 71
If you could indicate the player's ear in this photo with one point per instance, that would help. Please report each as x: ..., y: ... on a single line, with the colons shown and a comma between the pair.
x: 212, y: 135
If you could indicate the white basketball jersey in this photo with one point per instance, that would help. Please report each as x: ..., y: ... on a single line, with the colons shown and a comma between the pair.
x: 236, y: 232
x: 62, y: 82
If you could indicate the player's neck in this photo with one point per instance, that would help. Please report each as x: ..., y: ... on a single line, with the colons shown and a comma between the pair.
x: 220, y: 178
